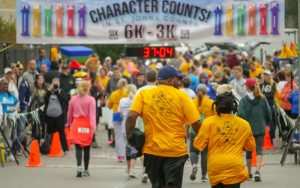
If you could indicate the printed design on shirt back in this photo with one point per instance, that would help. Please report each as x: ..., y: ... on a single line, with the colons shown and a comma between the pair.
x: 226, y: 133
x: 161, y: 104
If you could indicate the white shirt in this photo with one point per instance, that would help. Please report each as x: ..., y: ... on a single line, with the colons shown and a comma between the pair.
x: 124, y: 106
x: 190, y: 92
x: 280, y: 86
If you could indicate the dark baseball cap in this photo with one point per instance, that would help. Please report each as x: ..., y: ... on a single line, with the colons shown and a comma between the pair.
x: 65, y: 65
x: 168, y: 72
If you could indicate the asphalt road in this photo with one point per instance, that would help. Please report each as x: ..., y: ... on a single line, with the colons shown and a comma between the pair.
x: 106, y: 172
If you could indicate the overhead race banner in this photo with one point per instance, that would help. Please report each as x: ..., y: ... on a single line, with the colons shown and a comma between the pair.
x: 148, y: 21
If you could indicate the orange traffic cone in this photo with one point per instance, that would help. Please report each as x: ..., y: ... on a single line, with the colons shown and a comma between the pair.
x: 34, y: 157
x: 55, y: 150
x: 267, y: 140
x: 67, y: 132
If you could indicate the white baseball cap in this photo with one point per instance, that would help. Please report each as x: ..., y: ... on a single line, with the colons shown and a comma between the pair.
x: 159, y: 65
x: 245, y: 54
x: 78, y: 80
x: 267, y: 72
x: 7, y: 70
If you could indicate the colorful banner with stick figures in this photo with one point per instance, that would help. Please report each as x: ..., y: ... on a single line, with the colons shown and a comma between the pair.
x: 148, y: 21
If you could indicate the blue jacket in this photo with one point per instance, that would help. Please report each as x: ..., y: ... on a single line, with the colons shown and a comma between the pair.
x: 293, y: 99
x: 43, y: 61
x: 212, y: 92
x: 24, y: 95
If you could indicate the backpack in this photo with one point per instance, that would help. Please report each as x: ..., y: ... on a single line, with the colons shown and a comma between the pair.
x: 54, y: 108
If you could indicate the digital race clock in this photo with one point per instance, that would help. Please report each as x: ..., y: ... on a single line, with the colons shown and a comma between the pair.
x: 149, y: 52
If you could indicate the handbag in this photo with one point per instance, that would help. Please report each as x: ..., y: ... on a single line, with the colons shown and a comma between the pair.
x: 136, y: 139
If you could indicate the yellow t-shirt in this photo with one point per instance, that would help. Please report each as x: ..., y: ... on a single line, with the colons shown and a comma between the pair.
x: 226, y: 136
x: 257, y: 72
x: 165, y: 110
x: 184, y: 68
x: 115, y: 97
x: 256, y: 64
x: 206, y: 107
x: 103, y: 81
x: 208, y: 72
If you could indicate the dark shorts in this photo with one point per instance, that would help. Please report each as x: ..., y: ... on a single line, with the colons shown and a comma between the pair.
x: 165, y: 171
x: 259, y: 141
x: 238, y: 185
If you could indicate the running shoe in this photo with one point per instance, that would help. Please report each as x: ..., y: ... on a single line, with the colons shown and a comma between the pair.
x: 132, y: 174
x: 11, y: 158
x: 145, y: 178
x: 250, y: 176
x: 204, y: 179
x: 257, y: 177
x: 193, y: 175
x: 121, y: 158
x: 86, y: 173
x: 79, y: 172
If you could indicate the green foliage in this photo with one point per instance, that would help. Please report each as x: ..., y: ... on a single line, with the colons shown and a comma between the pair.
x: 7, y: 30
x: 291, y: 14
x: 112, y: 50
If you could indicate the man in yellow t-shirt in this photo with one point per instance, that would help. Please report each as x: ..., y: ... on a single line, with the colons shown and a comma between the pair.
x: 226, y: 136
x: 164, y: 110
x: 254, y: 71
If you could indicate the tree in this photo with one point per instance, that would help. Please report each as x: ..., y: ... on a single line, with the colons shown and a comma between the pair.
x: 291, y: 14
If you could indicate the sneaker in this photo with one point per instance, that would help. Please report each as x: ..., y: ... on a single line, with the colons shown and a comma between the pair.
x: 11, y: 158
x: 121, y: 158
x: 204, y: 179
x: 132, y: 174
x: 145, y: 178
x: 109, y: 142
x: 86, y: 173
x: 257, y: 177
x: 250, y: 176
x: 79, y: 172
x: 193, y: 175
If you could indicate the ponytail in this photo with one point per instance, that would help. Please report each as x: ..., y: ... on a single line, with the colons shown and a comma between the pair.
x: 256, y: 91
x: 200, y: 97
x: 131, y: 90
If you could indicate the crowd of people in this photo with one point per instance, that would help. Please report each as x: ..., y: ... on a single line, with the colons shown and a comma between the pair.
x: 229, y: 98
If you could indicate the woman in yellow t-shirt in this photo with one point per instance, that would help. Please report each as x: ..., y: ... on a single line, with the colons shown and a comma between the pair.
x: 204, y: 106
x: 113, y: 103
x: 226, y: 136
x: 103, y: 78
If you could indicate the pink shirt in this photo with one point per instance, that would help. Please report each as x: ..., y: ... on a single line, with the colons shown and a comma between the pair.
x: 82, y: 106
